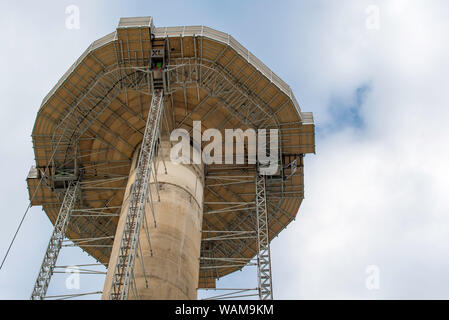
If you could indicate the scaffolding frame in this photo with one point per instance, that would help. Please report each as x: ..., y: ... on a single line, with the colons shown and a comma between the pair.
x: 124, y: 267
x: 263, y: 242
x: 55, y: 243
x: 236, y: 96
x: 235, y: 92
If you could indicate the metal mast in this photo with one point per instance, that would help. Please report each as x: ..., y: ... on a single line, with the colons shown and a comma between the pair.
x: 125, y: 261
x: 263, y: 241
x: 54, y: 246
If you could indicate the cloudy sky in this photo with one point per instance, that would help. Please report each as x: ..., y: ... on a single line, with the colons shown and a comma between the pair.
x: 376, y: 76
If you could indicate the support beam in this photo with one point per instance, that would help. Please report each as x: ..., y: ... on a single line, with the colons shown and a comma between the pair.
x: 123, y: 273
x: 263, y: 242
x: 55, y: 244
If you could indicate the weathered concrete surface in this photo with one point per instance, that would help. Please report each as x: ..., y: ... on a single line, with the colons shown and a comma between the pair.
x: 172, y: 271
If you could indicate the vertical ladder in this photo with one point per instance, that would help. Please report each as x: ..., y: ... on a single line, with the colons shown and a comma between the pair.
x: 263, y: 241
x: 127, y: 252
x: 54, y: 246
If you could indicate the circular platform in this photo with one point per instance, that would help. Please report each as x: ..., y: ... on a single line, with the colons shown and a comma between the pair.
x: 91, y: 122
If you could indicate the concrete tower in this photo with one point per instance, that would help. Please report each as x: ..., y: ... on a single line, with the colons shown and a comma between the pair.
x: 105, y: 178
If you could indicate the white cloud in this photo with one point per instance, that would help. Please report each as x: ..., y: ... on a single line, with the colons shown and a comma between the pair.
x: 375, y: 195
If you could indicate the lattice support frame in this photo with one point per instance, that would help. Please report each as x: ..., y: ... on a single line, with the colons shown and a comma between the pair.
x: 124, y: 267
x: 55, y: 244
x: 263, y: 241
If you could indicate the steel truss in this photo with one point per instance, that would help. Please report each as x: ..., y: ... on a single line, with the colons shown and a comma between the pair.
x: 233, y: 293
x: 235, y: 93
x: 255, y: 226
x: 86, y: 109
x: 238, y: 98
x: 55, y: 244
x: 123, y: 277
x: 263, y: 241
x: 239, y: 233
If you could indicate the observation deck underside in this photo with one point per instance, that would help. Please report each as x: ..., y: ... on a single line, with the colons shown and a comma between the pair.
x: 90, y: 124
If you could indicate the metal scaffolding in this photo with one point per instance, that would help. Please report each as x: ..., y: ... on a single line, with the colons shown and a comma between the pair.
x: 261, y: 233
x: 206, y: 76
x: 124, y: 268
x: 55, y: 244
x: 263, y: 242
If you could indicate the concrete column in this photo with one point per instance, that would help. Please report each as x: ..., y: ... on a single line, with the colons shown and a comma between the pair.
x: 173, y: 270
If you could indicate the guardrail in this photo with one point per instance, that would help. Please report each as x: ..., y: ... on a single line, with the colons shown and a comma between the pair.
x: 227, y: 39
x: 184, y: 31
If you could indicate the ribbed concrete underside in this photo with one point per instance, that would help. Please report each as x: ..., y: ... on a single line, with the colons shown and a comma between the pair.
x: 213, y: 79
x: 169, y: 268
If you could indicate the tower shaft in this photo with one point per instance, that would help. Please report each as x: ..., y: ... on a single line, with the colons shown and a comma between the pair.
x: 168, y: 252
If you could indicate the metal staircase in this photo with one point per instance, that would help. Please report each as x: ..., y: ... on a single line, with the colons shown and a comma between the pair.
x: 124, y: 266
x: 263, y: 241
x: 55, y: 244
